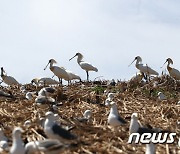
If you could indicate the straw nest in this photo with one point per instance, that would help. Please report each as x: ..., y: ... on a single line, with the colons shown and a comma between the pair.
x: 96, y: 136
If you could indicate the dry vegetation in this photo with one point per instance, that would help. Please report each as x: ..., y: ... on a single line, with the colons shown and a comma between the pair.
x: 96, y: 136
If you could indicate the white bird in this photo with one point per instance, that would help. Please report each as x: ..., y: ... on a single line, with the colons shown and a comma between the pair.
x: 172, y: 71
x: 136, y: 127
x: 55, y: 131
x: 60, y: 72
x: 107, y: 102
x: 161, y: 96
x: 137, y: 77
x: 84, y: 65
x: 9, y: 80
x: 144, y: 68
x: 48, y: 146
x: 111, y: 96
x: 3, y: 140
x: 18, y: 144
x: 46, y: 91
x: 44, y: 81
x: 41, y: 100
x: 72, y: 76
x: 29, y: 95
x: 150, y: 148
x: 86, y: 116
x: 114, y: 118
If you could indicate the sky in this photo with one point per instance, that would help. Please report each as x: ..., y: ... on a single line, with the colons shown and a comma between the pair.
x: 109, y: 33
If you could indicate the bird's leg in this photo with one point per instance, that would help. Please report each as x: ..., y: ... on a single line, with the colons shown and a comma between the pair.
x: 60, y: 81
x: 87, y: 75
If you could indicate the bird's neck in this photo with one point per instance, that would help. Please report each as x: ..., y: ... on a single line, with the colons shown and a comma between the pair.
x: 17, y: 138
x: 79, y: 59
x: 114, y: 110
x: 134, y: 126
x: 168, y: 67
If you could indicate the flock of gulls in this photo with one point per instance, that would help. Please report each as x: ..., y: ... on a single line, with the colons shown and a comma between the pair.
x: 59, y: 138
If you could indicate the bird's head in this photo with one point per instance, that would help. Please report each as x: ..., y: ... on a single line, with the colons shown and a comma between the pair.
x: 169, y: 60
x: 50, y: 115
x: 79, y: 55
x: 17, y: 131
x: 134, y: 116
x: 51, y: 61
x: 138, y: 58
x: 111, y: 95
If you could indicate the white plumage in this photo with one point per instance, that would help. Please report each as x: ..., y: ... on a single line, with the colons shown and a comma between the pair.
x: 60, y: 72
x: 44, y: 81
x: 150, y: 148
x: 9, y: 80
x: 18, y: 144
x: 172, y: 71
x: 144, y: 68
x: 85, y: 65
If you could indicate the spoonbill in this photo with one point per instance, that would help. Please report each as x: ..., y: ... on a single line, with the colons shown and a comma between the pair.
x: 44, y: 81
x: 60, y: 72
x: 144, y: 68
x: 84, y: 65
x: 172, y: 71
x: 9, y: 80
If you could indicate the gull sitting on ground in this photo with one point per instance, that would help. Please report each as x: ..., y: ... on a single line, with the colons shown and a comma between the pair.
x: 18, y: 144
x: 114, y: 119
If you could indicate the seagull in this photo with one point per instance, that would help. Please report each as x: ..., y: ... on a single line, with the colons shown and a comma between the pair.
x: 3, y: 94
x: 3, y: 140
x: 48, y: 146
x: 40, y: 100
x: 55, y: 131
x: 47, y: 91
x: 111, y: 96
x: 18, y: 144
x: 135, y: 126
x: 161, y: 96
x: 150, y: 148
x: 86, y: 116
x: 114, y: 118
x: 84, y: 65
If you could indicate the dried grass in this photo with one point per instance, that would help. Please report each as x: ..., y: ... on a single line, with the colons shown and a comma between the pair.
x: 96, y: 136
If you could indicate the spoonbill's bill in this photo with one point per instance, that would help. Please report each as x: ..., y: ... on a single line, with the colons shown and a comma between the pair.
x: 172, y: 71
x: 114, y: 118
x: 18, y: 144
x: 60, y: 72
x: 84, y: 65
x: 144, y: 68
x: 9, y: 80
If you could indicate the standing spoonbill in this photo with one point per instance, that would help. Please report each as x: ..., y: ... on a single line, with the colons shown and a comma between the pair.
x: 60, y: 72
x: 144, y: 68
x: 172, y: 71
x: 9, y: 80
x: 84, y: 65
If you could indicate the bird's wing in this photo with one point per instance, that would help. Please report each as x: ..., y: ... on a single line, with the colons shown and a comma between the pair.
x: 121, y: 120
x: 62, y: 132
x: 142, y: 130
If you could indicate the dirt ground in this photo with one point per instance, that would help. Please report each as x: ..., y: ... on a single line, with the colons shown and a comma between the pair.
x: 96, y: 136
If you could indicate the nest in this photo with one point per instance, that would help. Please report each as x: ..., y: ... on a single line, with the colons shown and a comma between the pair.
x: 96, y: 136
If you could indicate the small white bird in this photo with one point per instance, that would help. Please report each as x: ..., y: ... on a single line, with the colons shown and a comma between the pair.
x: 111, y: 96
x: 144, y: 68
x: 9, y: 80
x: 18, y: 144
x: 84, y: 65
x: 60, y: 72
x: 48, y: 146
x: 55, y: 131
x: 161, y: 96
x: 46, y: 91
x: 137, y: 77
x: 107, y: 102
x: 41, y: 100
x: 86, y: 116
x: 172, y: 71
x: 29, y: 95
x: 114, y: 118
x: 3, y: 140
x: 150, y: 148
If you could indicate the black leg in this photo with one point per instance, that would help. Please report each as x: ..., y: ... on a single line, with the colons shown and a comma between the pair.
x: 87, y: 75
